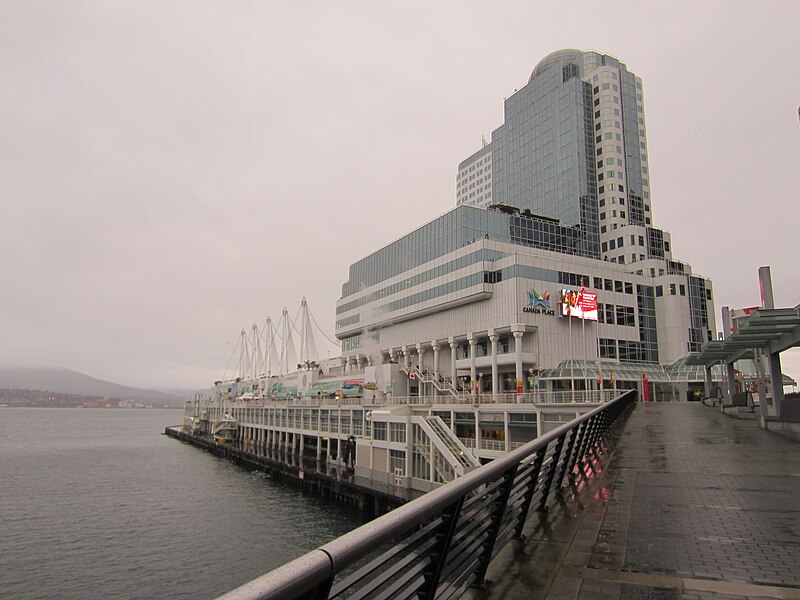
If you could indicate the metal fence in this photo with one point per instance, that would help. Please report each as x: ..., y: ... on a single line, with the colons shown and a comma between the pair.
x: 442, y: 543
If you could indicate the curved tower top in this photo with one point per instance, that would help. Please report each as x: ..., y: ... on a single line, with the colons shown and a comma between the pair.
x: 558, y: 58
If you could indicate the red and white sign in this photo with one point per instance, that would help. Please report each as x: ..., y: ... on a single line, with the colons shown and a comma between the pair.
x: 582, y: 304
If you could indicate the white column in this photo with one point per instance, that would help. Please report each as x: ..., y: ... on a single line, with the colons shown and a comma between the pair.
x: 407, y: 365
x: 435, y: 346
x: 472, y: 371
x: 453, y: 346
x: 520, y: 376
x: 420, y: 359
x: 493, y: 337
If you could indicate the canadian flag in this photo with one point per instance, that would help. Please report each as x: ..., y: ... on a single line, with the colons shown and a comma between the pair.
x: 412, y: 375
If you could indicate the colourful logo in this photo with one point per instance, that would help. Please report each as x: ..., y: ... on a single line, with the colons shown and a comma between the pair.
x: 536, y: 299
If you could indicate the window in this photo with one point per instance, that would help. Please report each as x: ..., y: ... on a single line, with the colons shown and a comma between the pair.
x: 602, y: 202
x: 620, y: 242
x: 598, y: 282
x: 601, y: 190
x: 599, y: 164
x: 683, y: 290
x: 671, y: 289
x: 622, y: 214
x: 659, y: 291
x: 605, y: 249
x: 612, y: 245
x: 622, y: 201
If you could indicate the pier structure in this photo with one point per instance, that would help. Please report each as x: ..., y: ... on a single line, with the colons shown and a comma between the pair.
x: 402, y: 445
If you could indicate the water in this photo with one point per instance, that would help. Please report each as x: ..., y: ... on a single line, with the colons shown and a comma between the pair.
x: 96, y: 503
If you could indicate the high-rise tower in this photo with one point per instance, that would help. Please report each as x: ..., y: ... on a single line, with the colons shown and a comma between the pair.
x: 573, y: 147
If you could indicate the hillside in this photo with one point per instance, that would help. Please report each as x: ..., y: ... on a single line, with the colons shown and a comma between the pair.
x: 73, y: 382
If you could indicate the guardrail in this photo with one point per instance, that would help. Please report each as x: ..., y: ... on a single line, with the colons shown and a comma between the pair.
x: 443, y: 542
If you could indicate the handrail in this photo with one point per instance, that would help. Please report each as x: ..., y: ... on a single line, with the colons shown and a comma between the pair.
x: 496, y: 513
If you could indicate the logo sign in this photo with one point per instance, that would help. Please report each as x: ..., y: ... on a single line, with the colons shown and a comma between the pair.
x: 538, y: 304
x: 581, y: 305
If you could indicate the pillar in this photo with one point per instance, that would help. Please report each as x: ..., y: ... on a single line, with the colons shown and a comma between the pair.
x: 472, y: 370
x: 493, y: 338
x: 453, y: 346
x: 708, y: 383
x: 435, y: 346
x: 420, y: 359
x: 776, y: 381
x: 518, y: 374
x: 406, y: 365
x: 730, y: 380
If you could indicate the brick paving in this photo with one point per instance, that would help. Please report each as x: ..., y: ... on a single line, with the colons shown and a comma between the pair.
x: 692, y: 505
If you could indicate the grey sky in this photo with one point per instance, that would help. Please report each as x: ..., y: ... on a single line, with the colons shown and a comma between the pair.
x: 171, y: 172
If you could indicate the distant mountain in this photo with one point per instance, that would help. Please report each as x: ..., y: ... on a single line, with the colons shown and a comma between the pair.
x: 73, y: 382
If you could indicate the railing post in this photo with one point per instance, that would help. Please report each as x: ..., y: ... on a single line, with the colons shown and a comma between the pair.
x: 580, y: 447
x: 497, y: 520
x: 587, y: 448
x: 438, y: 554
x: 548, y: 483
x: 529, y: 492
x: 567, y: 456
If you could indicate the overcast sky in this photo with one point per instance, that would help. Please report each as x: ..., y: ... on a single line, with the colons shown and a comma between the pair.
x: 173, y: 171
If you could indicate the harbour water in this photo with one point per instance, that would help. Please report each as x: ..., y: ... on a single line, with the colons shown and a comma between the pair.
x: 96, y: 503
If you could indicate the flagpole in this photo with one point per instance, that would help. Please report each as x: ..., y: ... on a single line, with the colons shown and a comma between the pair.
x: 599, y: 367
x: 571, y: 357
x: 585, y: 357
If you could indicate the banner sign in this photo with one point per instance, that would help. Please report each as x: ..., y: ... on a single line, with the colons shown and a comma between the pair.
x: 581, y: 305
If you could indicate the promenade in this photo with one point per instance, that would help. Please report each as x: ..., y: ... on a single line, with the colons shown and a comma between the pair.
x: 690, y: 504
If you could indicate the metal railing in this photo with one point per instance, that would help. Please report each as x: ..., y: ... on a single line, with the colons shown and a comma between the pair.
x: 443, y: 542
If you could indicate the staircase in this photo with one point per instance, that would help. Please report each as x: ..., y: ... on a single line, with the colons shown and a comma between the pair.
x: 444, y: 384
x: 456, y: 453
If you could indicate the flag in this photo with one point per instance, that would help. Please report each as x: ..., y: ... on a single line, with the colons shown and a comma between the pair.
x: 412, y: 376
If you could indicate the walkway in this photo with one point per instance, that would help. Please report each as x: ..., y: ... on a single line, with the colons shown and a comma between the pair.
x: 693, y: 505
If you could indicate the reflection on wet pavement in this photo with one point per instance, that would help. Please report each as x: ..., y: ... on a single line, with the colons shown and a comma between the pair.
x: 693, y: 504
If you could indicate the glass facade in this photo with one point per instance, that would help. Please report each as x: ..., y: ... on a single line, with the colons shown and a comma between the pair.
x: 543, y: 155
x: 455, y: 229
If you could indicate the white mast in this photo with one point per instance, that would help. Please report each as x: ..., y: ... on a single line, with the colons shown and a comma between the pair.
x: 288, y: 354
x: 256, y: 359
x: 243, y: 355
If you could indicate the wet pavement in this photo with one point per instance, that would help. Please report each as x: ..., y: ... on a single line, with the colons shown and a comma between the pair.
x: 688, y: 504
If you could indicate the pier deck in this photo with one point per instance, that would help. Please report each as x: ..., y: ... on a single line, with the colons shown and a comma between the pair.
x: 692, y: 505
